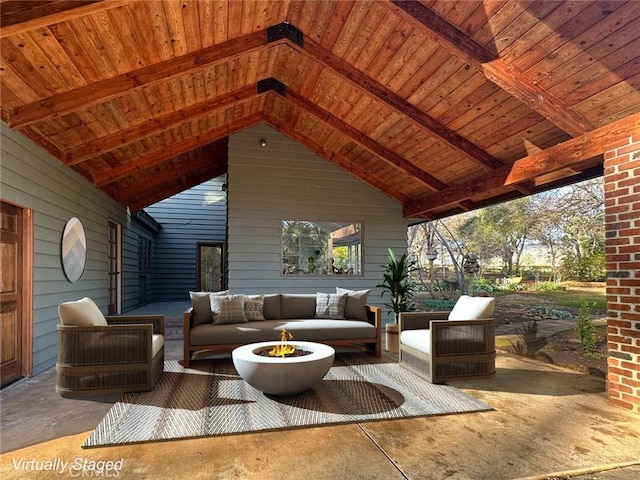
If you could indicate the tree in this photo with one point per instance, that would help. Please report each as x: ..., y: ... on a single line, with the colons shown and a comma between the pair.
x: 571, y: 226
x: 500, y: 230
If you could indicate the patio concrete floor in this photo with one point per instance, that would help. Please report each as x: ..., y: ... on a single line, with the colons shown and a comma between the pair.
x: 548, y: 422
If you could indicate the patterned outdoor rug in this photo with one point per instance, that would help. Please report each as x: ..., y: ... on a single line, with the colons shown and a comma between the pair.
x: 211, y: 399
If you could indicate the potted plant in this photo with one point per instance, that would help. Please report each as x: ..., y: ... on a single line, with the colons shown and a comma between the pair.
x: 398, y: 284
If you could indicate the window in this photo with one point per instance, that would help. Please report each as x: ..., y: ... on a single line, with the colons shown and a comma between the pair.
x: 144, y: 254
x: 321, y: 248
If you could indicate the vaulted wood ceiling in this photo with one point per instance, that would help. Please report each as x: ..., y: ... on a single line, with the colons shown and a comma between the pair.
x: 445, y: 106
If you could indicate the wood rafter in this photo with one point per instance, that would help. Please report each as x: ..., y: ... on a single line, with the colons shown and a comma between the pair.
x: 363, y: 140
x: 167, y: 153
x: 560, y: 156
x: 108, y: 143
x: 144, y: 200
x: 399, y: 104
x: 340, y: 161
x: 15, y: 21
x: 105, y: 90
x: 494, y: 68
x: 210, y: 162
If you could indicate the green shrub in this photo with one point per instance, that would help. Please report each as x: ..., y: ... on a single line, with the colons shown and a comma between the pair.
x: 586, y: 330
x: 548, y: 287
x: 484, y: 285
x: 437, y: 305
x: 540, y: 310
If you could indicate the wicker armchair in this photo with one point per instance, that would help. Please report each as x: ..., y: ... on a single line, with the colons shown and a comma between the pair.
x: 117, y: 354
x: 441, y: 349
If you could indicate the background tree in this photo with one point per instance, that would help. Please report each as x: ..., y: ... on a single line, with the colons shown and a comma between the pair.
x: 568, y: 223
x: 500, y: 230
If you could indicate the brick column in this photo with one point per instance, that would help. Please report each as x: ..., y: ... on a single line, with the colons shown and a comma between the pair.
x: 622, y: 218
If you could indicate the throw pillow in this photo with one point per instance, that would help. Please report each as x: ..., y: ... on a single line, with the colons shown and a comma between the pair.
x: 227, y: 309
x: 330, y: 305
x: 202, y: 306
x: 81, y: 313
x: 356, y: 307
x: 254, y: 308
x: 472, y: 308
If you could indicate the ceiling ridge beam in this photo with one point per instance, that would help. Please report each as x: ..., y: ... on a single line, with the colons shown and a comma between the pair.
x: 562, y: 155
x: 492, y: 67
x: 54, y: 12
x: 102, y: 91
x: 108, y: 143
x: 167, y: 153
x: 339, y: 160
x: 399, y: 104
x: 363, y: 140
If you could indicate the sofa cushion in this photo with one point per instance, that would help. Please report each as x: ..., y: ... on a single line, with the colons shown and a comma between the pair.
x: 308, y: 330
x: 228, y: 309
x: 356, y: 307
x: 330, y: 305
x: 81, y: 313
x: 271, y: 306
x: 254, y: 308
x: 472, y: 308
x: 297, y: 305
x: 201, y: 304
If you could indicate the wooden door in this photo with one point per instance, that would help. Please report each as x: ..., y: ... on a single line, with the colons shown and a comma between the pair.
x: 15, y: 356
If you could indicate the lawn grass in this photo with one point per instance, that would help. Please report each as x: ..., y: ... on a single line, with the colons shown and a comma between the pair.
x: 570, y: 298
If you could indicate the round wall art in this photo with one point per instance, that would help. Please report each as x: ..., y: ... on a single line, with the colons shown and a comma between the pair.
x: 74, y: 250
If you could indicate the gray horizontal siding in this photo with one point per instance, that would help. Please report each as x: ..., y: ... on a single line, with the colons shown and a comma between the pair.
x: 33, y: 179
x: 197, y: 215
x: 286, y: 181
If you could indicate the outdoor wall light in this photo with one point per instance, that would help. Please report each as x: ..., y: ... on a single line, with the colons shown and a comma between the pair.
x: 263, y: 142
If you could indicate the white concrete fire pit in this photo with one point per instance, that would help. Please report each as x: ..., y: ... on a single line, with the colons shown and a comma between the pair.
x: 283, y: 375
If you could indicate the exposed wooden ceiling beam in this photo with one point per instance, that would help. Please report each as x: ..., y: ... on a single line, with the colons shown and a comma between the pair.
x: 210, y: 162
x: 340, y: 161
x: 31, y: 15
x: 493, y: 67
x: 145, y: 200
x: 167, y: 153
x: 363, y: 140
x: 588, y: 174
x: 399, y: 104
x: 153, y: 126
x: 560, y: 156
x: 105, y: 90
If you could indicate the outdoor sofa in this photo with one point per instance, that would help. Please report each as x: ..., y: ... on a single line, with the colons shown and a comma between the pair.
x: 218, y: 322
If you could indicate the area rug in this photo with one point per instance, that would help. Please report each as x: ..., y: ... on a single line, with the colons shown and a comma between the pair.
x: 211, y: 399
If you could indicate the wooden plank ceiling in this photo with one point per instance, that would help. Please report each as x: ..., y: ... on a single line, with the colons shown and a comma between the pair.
x: 445, y: 106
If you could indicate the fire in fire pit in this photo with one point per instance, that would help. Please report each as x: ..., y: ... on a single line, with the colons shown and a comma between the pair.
x: 284, y: 349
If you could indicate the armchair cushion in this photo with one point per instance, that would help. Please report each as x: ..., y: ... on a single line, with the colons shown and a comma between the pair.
x: 473, y: 308
x: 418, y: 339
x: 81, y: 313
x: 157, y: 342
